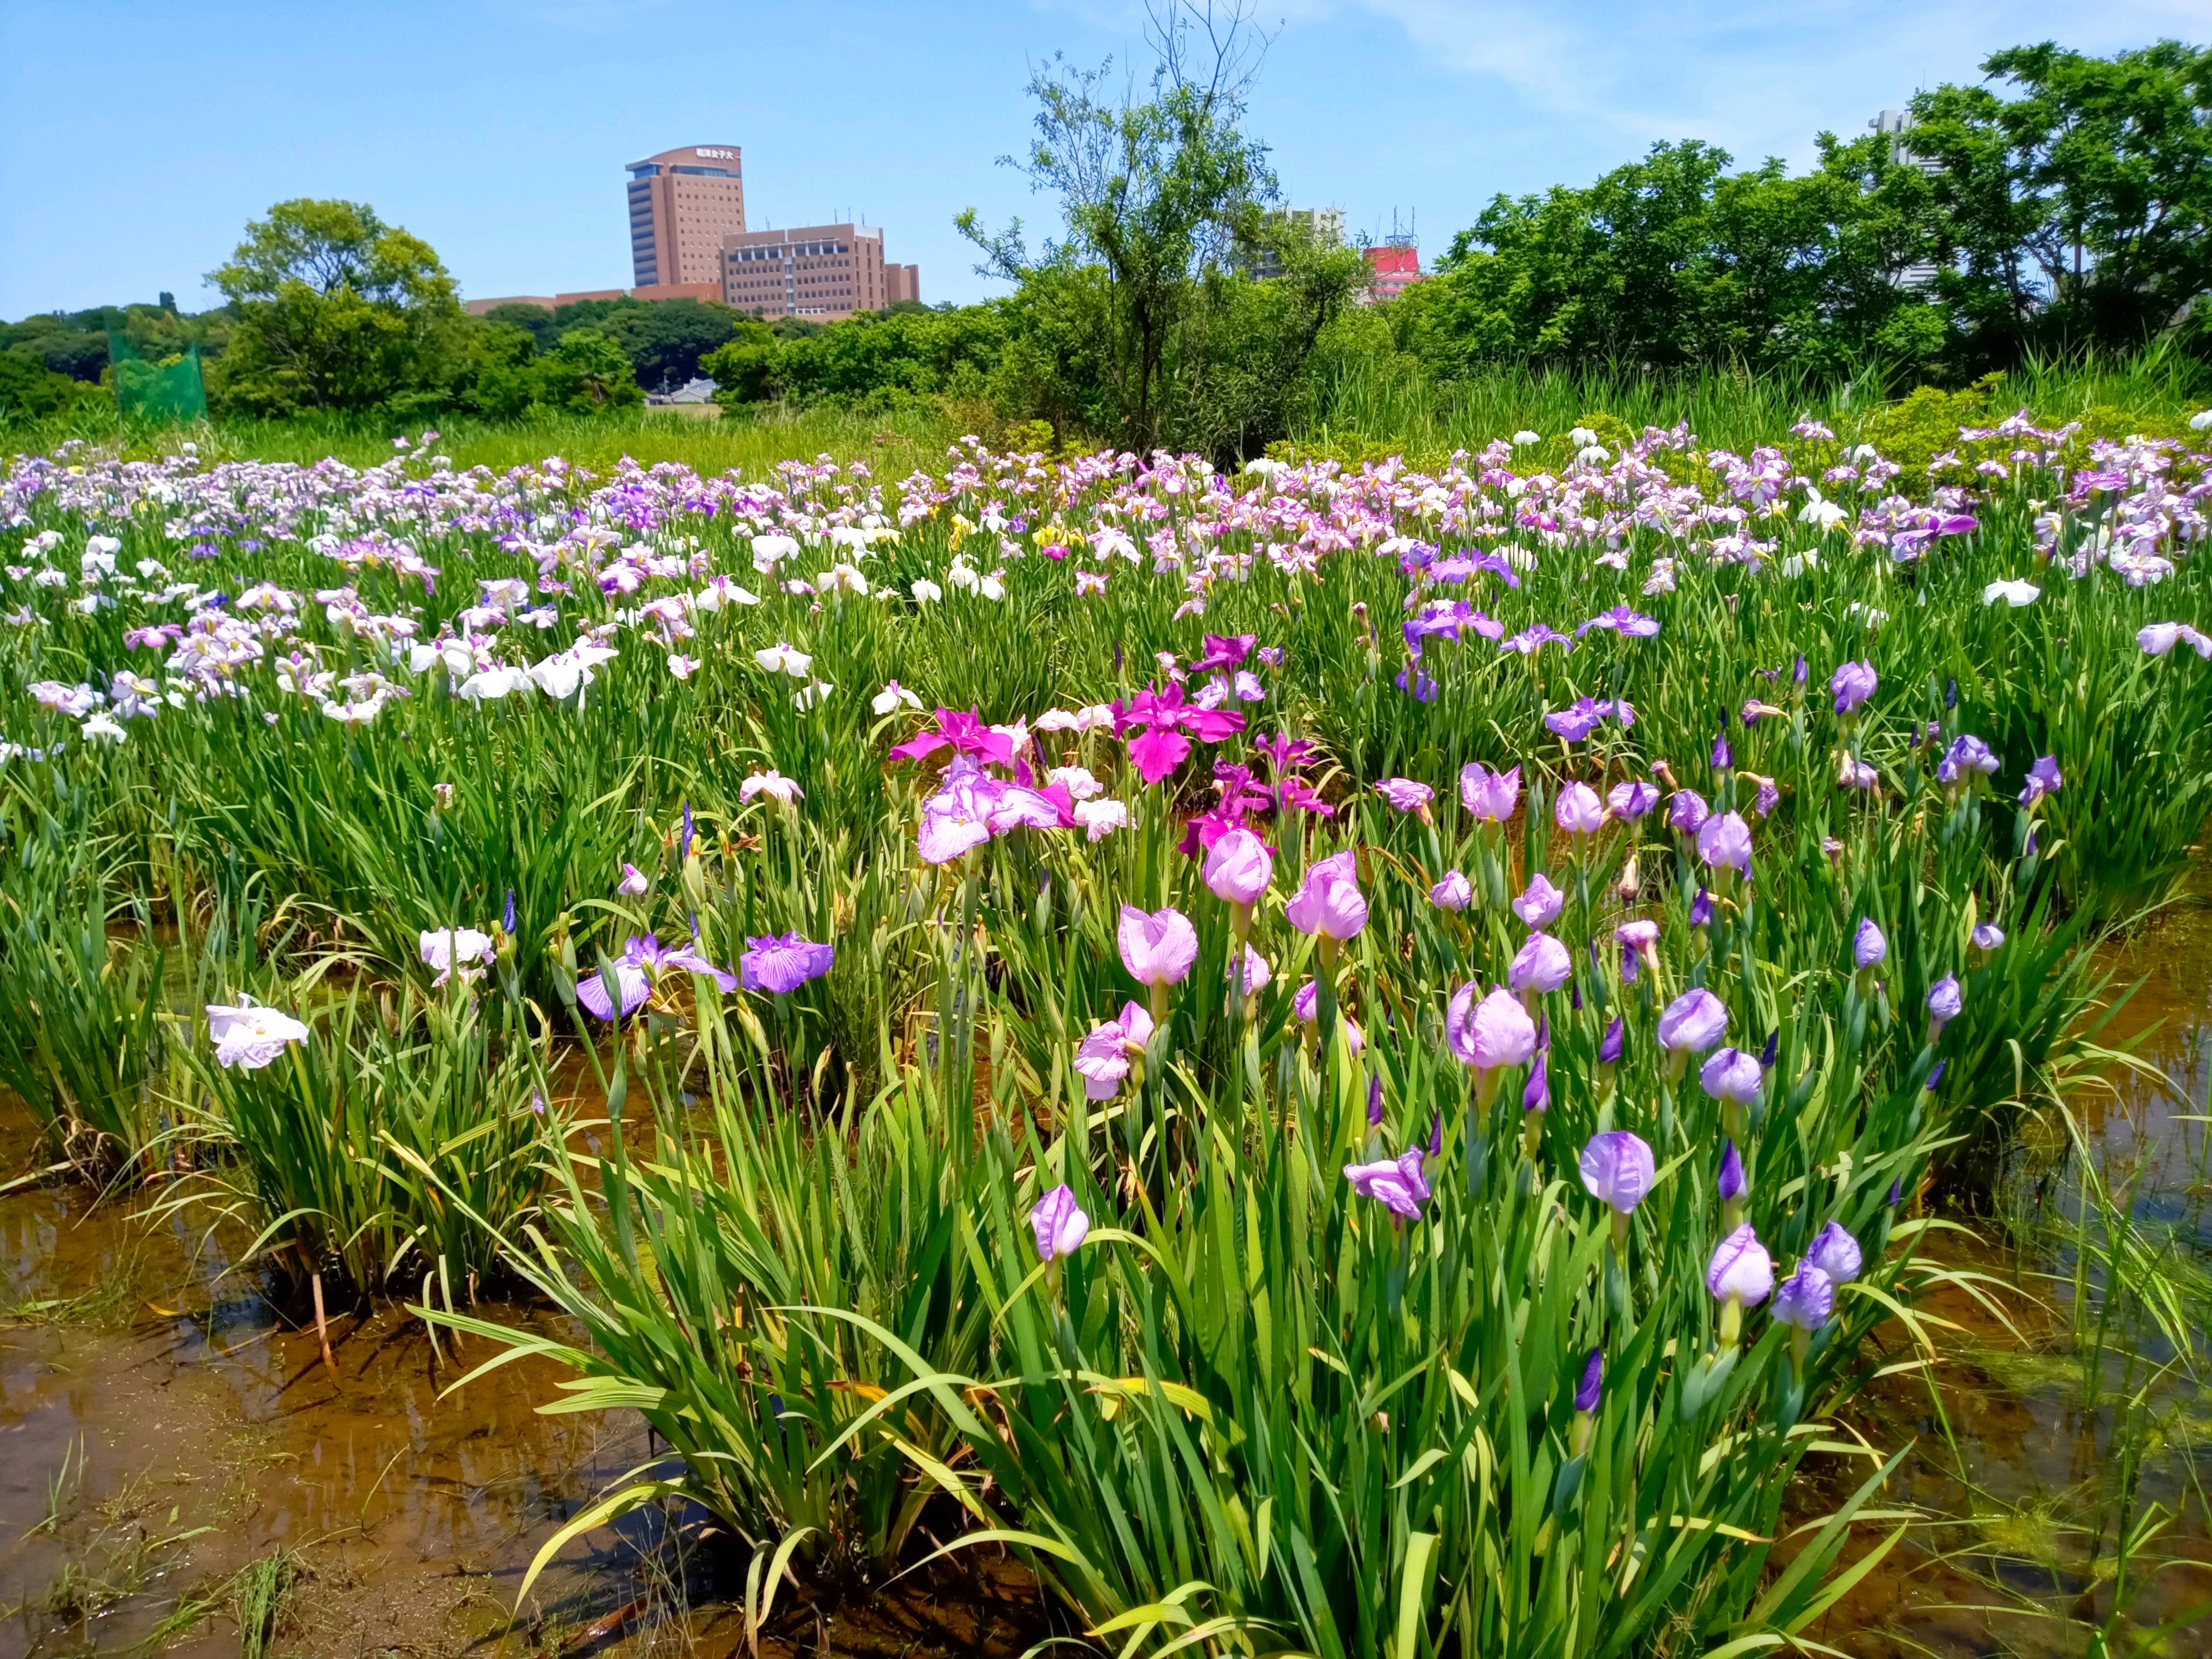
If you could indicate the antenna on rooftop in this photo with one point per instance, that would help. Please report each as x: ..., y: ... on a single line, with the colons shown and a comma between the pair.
x: 1408, y: 237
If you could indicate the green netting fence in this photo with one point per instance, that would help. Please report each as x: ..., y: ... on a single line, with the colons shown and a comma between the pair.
x: 172, y: 390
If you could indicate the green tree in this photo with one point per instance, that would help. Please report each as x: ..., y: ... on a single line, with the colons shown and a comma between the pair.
x: 665, y: 339
x: 534, y: 321
x: 743, y: 369
x: 338, y: 310
x: 1156, y: 192
x: 1673, y: 260
x: 587, y: 374
x: 2078, y: 213
x: 30, y: 391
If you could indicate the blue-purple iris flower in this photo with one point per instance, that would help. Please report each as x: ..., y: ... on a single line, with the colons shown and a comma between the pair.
x: 783, y: 962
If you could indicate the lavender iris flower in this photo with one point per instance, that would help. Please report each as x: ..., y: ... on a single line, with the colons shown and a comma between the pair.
x: 1540, y: 903
x: 1618, y: 1167
x: 1059, y: 1223
x: 1454, y: 892
x: 2042, y: 779
x: 783, y: 962
x: 1609, y: 1046
x: 1869, y: 947
x: 1686, y: 812
x: 1536, y: 1096
x: 1693, y: 1022
x: 1701, y: 909
x: 1724, y: 843
x: 1740, y: 1269
x: 1541, y: 964
x: 1395, y: 1182
x: 1967, y: 753
x: 1805, y: 1299
x: 1722, y: 756
x: 1853, y: 683
x: 1732, y: 1075
x: 1944, y: 1000
x: 1375, y: 1100
x: 1632, y: 799
x: 1835, y: 1253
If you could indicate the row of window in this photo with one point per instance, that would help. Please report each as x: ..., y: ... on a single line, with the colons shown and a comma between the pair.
x: 788, y: 250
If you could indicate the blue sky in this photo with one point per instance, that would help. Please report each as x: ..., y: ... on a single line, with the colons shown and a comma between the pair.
x: 136, y: 140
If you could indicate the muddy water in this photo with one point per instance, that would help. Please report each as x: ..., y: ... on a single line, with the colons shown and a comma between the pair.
x: 164, y: 1425
x: 160, y: 1428
x: 2017, y: 1455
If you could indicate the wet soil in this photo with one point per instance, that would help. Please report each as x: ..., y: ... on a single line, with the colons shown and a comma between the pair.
x: 165, y: 1425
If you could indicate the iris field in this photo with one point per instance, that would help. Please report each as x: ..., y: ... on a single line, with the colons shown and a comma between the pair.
x: 1342, y: 1058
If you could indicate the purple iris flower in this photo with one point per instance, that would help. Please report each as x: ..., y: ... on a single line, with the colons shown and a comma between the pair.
x: 1536, y: 1096
x: 1869, y: 947
x: 1686, y: 812
x: 686, y: 851
x: 1531, y: 640
x: 1967, y: 753
x: 644, y: 958
x: 1609, y: 1048
x: 1578, y: 720
x: 1731, y: 1176
x: 1632, y: 799
x: 1631, y: 624
x: 1853, y: 683
x: 1375, y: 1099
x: 1805, y: 1299
x: 1722, y: 756
x: 2042, y: 779
x: 507, y: 919
x: 1395, y: 1182
x: 1701, y: 909
x: 1593, y: 1381
x: 783, y: 962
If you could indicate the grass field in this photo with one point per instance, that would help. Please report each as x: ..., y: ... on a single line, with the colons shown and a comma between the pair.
x: 1343, y: 1057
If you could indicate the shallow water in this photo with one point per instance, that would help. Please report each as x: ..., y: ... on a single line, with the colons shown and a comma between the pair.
x: 177, y: 1424
x: 191, y: 1430
x: 2014, y: 1464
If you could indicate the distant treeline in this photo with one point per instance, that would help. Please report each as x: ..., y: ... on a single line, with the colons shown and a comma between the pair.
x: 2063, y: 209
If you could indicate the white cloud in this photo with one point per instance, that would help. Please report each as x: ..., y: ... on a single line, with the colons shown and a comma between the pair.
x: 1757, y: 80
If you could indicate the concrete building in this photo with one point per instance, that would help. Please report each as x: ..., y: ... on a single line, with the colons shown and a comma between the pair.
x: 682, y: 204
x: 821, y: 272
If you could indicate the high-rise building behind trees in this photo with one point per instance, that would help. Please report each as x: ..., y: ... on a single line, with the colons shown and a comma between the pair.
x: 682, y: 204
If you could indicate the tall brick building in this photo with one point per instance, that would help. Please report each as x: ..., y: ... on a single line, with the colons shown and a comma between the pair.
x: 682, y: 204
